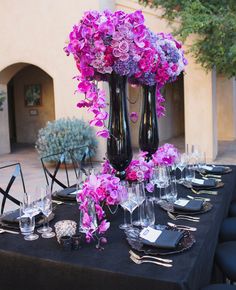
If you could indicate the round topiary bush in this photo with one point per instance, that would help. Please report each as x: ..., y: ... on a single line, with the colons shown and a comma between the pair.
x: 63, y: 135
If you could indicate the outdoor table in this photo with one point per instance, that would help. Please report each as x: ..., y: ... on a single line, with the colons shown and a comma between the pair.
x: 42, y: 264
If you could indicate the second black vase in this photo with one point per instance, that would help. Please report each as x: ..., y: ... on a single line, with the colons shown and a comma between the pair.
x: 119, y: 150
x: 148, y: 130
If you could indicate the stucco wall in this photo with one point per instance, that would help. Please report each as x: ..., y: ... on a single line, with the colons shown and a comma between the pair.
x: 27, y: 125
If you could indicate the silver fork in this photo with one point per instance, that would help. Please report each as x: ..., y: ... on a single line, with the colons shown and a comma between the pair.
x: 136, y: 261
x: 183, y: 217
x: 136, y: 256
x: 199, y: 198
x: 182, y: 227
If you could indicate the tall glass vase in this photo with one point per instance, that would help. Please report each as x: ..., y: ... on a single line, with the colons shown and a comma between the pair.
x: 119, y: 150
x: 148, y: 130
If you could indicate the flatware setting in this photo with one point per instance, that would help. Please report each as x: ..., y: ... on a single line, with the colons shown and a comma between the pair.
x: 183, y: 217
x: 210, y: 176
x: 8, y: 231
x: 204, y: 191
x: 136, y: 256
x: 199, y: 198
x: 182, y: 227
x: 141, y: 261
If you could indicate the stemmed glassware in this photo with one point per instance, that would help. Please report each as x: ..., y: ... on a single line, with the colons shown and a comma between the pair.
x: 42, y: 192
x: 139, y: 198
x: 46, y: 208
x: 181, y: 164
x: 123, y: 199
x: 162, y: 179
x: 129, y: 203
x: 30, y: 209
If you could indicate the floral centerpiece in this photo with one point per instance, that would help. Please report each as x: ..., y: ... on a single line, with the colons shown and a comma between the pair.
x: 100, y: 189
x: 165, y: 155
x: 139, y: 169
x: 105, y: 43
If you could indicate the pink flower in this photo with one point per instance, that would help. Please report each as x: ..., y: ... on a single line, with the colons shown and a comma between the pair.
x: 150, y: 187
x: 133, y: 117
x: 103, y: 133
x: 132, y: 176
x: 103, y: 227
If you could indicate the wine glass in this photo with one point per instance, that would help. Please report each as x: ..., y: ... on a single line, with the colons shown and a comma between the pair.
x: 123, y: 198
x: 162, y: 180
x: 139, y: 198
x: 42, y: 192
x: 30, y: 209
x: 129, y: 203
x: 47, y: 210
x: 181, y: 164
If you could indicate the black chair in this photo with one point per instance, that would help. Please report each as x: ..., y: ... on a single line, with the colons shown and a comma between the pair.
x: 55, y: 165
x: 6, y: 192
x: 225, y: 259
x: 219, y: 287
x: 81, y: 160
x: 232, y: 209
x: 228, y: 230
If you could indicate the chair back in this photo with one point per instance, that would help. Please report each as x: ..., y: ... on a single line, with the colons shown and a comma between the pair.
x: 7, y: 192
x: 81, y: 160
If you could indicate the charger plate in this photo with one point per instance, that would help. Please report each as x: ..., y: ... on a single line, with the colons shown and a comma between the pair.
x: 167, y: 206
x: 136, y: 243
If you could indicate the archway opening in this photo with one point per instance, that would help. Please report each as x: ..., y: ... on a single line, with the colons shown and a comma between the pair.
x: 30, y: 104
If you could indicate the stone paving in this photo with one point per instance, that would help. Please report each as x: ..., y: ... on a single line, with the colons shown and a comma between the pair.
x: 33, y: 172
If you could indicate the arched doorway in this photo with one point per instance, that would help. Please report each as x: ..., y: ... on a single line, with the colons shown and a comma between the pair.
x: 30, y: 103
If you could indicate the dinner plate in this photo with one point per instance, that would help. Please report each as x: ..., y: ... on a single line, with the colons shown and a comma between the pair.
x: 226, y: 170
x: 167, y: 206
x: 188, y: 184
x: 66, y: 194
x: 136, y: 243
x: 12, y: 223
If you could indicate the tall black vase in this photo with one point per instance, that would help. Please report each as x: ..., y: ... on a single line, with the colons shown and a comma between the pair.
x: 119, y: 150
x: 148, y: 130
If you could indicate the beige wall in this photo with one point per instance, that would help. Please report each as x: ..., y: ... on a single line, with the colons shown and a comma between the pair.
x: 226, y: 108
x: 27, y: 125
x: 35, y: 32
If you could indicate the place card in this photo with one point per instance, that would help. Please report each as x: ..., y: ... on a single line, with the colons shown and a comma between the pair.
x: 182, y: 202
x: 73, y: 192
x: 150, y: 234
x: 198, y: 181
x: 206, y: 167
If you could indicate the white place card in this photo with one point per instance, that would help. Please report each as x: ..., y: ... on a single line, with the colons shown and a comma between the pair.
x: 73, y: 192
x: 206, y: 167
x: 182, y: 202
x: 150, y: 234
x: 198, y: 181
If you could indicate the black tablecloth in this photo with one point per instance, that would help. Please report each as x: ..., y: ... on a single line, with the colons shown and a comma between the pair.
x: 42, y: 264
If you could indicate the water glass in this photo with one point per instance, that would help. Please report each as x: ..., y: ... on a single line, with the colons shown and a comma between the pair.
x: 26, y: 223
x: 171, y: 192
x: 30, y: 210
x: 189, y: 172
x: 147, y: 213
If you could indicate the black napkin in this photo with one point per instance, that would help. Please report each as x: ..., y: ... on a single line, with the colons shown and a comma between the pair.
x: 10, y: 220
x: 12, y: 217
x: 168, y: 239
x: 206, y: 183
x: 217, y: 169
x: 65, y: 194
x: 192, y: 205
